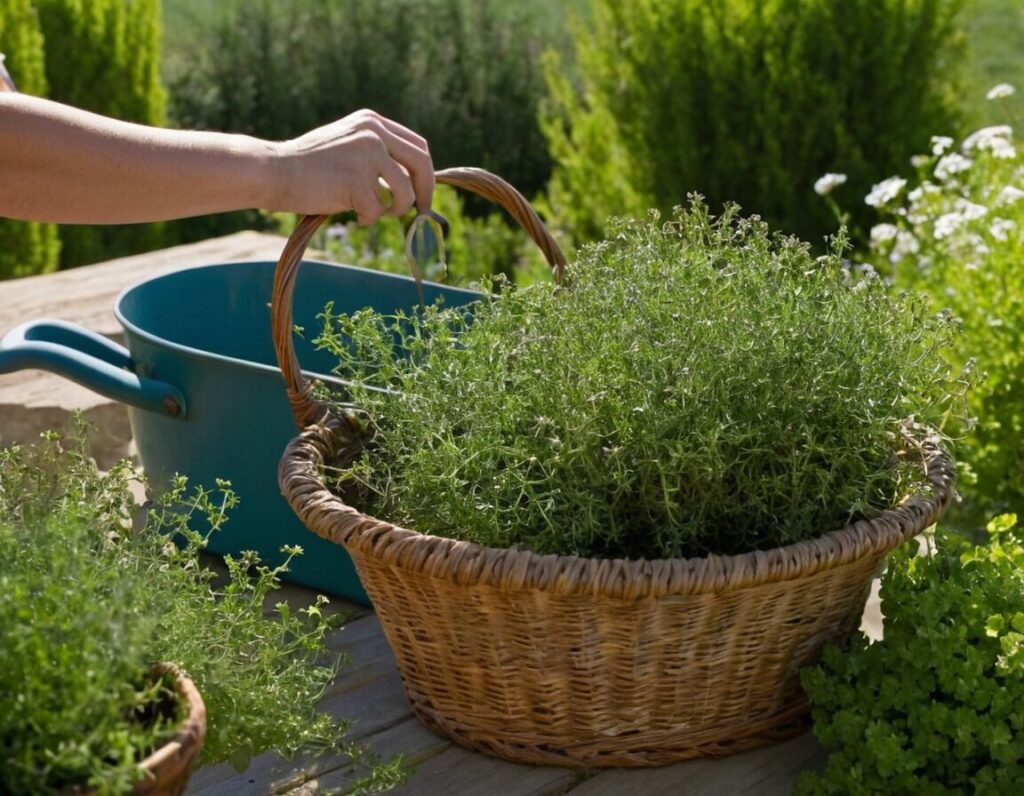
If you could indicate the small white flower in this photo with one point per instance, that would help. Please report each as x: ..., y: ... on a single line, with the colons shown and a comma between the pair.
x: 995, y: 139
x: 947, y: 224
x: 1000, y: 228
x: 978, y: 244
x: 1009, y: 195
x: 940, y: 143
x: 1001, y: 91
x: 884, y: 192
x: 920, y: 161
x: 882, y: 233
x: 906, y: 244
x: 950, y: 292
x: 971, y: 211
x: 993, y: 321
x: 951, y: 164
x: 827, y: 183
x: 1001, y: 148
x: 979, y: 137
x: 921, y: 191
x: 337, y: 232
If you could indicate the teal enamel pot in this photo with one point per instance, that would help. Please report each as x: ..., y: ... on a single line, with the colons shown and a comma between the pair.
x: 204, y: 394
x: 204, y: 391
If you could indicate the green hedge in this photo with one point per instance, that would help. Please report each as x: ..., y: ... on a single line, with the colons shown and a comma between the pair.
x: 104, y: 56
x: 25, y: 248
x: 465, y: 73
x: 748, y: 101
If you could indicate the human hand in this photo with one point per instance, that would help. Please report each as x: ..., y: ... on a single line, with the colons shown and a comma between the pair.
x: 338, y: 167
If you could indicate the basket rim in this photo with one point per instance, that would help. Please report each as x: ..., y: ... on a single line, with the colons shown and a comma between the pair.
x: 165, y: 763
x: 472, y: 564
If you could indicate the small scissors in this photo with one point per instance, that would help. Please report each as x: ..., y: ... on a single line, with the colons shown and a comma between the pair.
x: 424, y: 245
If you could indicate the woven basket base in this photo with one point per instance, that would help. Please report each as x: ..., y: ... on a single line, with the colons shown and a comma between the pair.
x: 594, y: 663
x: 615, y: 751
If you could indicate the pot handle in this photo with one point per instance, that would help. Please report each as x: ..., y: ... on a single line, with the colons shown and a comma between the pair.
x: 90, y: 360
x: 478, y: 181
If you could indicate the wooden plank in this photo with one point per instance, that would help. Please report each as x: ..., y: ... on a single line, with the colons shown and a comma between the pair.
x: 86, y: 295
x: 769, y: 771
x: 459, y: 771
x: 371, y: 695
x: 363, y: 641
x: 410, y: 739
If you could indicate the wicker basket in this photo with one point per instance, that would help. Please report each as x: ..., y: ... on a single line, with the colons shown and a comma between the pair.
x: 168, y: 769
x: 585, y: 662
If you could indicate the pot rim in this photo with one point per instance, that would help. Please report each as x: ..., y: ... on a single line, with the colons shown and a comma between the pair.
x: 188, y: 738
x: 212, y: 356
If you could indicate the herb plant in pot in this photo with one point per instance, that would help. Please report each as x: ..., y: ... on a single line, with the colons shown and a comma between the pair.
x: 88, y: 606
x: 605, y: 522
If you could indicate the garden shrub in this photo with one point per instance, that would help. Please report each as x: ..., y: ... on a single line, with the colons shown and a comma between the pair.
x: 957, y: 232
x: 461, y: 72
x: 26, y: 248
x: 747, y: 101
x: 104, y: 56
x: 936, y: 706
x: 695, y: 387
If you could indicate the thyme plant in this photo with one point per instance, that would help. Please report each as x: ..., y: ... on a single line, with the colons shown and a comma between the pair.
x: 696, y: 386
x: 87, y: 605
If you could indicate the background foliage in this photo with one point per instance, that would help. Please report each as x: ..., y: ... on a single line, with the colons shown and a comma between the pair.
x: 462, y: 72
x: 104, y: 56
x: 747, y: 101
x: 957, y: 231
x: 25, y: 248
x: 995, y: 30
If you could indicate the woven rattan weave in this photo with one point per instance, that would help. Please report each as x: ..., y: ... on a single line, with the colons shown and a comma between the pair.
x: 589, y: 662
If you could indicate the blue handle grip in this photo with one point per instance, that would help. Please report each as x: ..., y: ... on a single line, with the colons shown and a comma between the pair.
x: 88, y: 359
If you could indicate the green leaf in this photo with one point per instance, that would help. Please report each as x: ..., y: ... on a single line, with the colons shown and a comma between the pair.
x: 1001, y: 524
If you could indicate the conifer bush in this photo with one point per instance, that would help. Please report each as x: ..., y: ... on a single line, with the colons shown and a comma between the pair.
x: 463, y: 73
x: 26, y: 248
x: 747, y: 101
x: 104, y: 56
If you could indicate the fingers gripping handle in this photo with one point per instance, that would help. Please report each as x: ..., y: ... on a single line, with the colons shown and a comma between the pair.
x: 300, y: 392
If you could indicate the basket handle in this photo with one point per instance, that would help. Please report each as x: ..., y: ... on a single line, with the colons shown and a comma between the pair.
x: 478, y: 181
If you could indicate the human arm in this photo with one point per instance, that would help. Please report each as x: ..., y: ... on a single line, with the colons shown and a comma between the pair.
x: 64, y: 165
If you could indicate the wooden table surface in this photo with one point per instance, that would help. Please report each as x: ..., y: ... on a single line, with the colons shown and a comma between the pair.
x: 368, y: 690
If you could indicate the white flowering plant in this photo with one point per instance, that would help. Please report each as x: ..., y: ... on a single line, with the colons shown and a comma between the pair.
x: 957, y: 231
